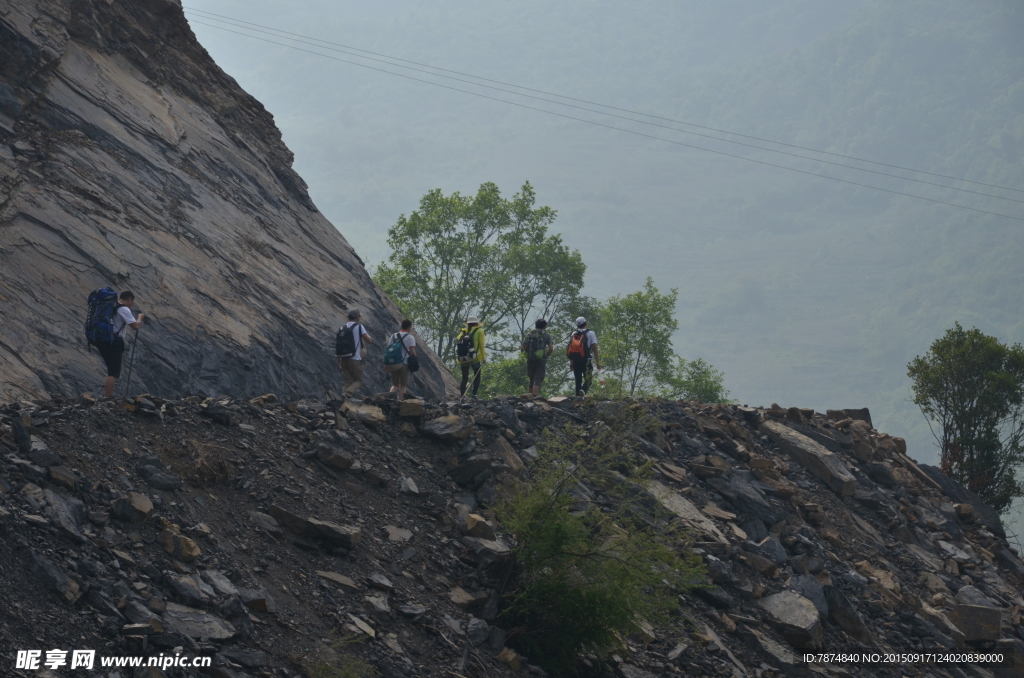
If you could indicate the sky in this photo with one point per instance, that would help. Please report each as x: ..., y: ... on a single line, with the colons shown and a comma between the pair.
x: 805, y: 291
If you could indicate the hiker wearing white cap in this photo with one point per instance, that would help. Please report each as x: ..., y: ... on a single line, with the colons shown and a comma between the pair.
x: 583, y: 346
x: 470, y: 353
x: 349, y: 348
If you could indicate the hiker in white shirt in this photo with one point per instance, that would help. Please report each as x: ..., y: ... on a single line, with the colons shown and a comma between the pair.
x: 352, y: 367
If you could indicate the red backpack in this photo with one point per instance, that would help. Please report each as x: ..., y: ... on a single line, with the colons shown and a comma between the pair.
x: 578, y: 345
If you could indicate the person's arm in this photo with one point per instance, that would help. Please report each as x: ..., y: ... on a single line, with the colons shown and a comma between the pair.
x: 597, y: 355
x: 551, y: 347
x: 129, y: 319
x: 481, y: 349
x: 366, y: 336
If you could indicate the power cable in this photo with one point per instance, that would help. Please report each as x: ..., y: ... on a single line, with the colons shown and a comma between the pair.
x: 642, y: 122
x: 624, y: 110
x: 618, y: 129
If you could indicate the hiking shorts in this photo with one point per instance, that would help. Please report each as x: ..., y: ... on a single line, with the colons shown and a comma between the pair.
x: 399, y: 374
x: 112, y: 354
x: 535, y: 370
x: 353, y: 371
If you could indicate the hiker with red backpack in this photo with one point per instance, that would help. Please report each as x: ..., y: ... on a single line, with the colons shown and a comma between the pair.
x: 583, y: 346
x: 470, y: 353
x: 348, y: 348
x: 537, y: 346
x: 109, y: 318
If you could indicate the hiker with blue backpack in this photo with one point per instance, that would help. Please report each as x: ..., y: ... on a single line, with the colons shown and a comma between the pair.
x: 470, y: 353
x: 109, y: 318
x: 348, y: 348
x: 400, y: 358
x: 537, y: 346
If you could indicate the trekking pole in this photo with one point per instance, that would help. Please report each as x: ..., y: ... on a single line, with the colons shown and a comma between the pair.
x: 131, y: 363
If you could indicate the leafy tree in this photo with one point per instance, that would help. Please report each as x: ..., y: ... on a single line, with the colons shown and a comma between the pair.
x: 635, y: 337
x: 637, y: 343
x: 695, y: 380
x: 478, y: 255
x: 972, y: 386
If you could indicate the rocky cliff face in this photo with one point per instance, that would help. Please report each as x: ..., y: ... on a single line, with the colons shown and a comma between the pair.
x: 129, y: 159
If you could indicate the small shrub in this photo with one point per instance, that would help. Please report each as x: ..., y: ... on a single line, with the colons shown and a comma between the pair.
x: 586, y: 566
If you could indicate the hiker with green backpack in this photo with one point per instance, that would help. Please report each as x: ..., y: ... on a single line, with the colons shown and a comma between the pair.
x: 470, y: 353
x: 400, y: 358
x: 537, y: 346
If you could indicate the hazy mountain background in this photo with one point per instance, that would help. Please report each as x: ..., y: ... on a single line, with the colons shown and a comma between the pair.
x: 804, y: 291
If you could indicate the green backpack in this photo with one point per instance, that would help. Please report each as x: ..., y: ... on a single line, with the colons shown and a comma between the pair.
x: 536, y: 345
x: 395, y: 352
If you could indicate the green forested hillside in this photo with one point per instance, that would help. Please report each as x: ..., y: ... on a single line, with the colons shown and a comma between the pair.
x: 804, y: 291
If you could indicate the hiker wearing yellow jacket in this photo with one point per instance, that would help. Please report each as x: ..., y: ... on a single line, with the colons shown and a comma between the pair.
x: 470, y: 353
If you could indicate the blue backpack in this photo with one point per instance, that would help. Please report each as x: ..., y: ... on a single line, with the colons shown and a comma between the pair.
x: 99, y: 323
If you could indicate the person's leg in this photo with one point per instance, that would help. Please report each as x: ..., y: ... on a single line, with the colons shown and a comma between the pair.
x: 353, y: 371
x: 476, y: 378
x: 577, y: 373
x: 531, y: 371
x: 538, y: 377
x: 396, y: 380
x: 403, y: 381
x: 588, y: 376
x: 112, y: 354
x: 465, y: 378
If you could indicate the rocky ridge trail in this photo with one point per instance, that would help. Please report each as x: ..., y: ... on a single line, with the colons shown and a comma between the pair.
x: 262, y: 533
x: 128, y: 158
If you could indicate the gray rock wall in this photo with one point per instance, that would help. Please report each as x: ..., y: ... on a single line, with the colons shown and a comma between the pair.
x: 129, y: 159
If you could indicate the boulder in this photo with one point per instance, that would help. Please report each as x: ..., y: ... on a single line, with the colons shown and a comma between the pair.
x: 449, y: 427
x: 413, y: 407
x: 796, y: 617
x: 63, y: 476
x: 821, y: 462
x: 810, y: 588
x: 477, y: 526
x: 371, y: 415
x: 502, y: 451
x: 267, y: 523
x: 287, y: 519
x: 334, y: 456
x: 197, y: 623
x: 345, y: 536
x: 470, y: 468
x: 478, y: 631
x: 221, y: 584
x: 486, y: 550
x: 977, y: 622
x: 843, y: 614
x: 54, y: 578
x: 343, y: 582
x: 134, y: 508
x: 181, y: 547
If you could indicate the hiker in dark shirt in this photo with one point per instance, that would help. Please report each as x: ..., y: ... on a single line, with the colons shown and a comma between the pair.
x: 537, y: 346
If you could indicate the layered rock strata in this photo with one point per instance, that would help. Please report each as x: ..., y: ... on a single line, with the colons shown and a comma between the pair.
x: 129, y: 159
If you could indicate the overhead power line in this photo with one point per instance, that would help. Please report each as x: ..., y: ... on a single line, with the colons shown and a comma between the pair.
x: 281, y: 33
x: 612, y: 127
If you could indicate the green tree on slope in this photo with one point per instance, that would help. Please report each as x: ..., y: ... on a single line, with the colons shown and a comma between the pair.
x: 481, y: 255
x: 972, y: 386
